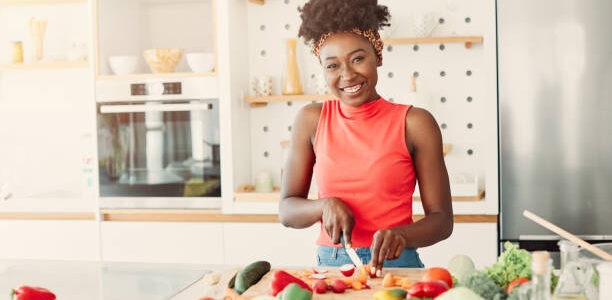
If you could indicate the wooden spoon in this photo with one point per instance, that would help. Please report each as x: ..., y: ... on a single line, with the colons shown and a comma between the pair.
x: 558, y: 230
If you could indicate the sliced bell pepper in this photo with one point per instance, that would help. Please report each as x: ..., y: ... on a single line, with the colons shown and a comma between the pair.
x: 427, y: 289
x: 32, y: 293
x: 281, y: 279
x: 294, y: 292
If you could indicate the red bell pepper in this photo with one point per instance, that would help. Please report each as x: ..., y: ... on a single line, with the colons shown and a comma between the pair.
x: 427, y: 289
x: 281, y: 279
x: 32, y: 293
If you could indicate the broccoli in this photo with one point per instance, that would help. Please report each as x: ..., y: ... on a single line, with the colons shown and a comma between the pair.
x: 484, y: 286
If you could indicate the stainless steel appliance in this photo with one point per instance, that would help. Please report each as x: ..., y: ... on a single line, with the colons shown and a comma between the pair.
x: 555, y: 114
x: 158, y: 144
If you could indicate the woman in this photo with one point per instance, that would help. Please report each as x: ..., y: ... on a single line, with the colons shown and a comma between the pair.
x: 365, y: 152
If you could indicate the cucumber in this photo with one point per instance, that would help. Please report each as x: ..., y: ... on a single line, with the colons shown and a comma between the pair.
x: 250, y: 275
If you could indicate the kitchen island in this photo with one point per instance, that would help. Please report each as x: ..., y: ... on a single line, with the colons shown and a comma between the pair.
x: 94, y: 280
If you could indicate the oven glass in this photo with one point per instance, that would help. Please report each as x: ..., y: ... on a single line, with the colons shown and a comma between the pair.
x: 159, y: 149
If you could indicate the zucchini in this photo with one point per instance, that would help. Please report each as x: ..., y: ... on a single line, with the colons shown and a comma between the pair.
x: 230, y: 284
x: 250, y: 275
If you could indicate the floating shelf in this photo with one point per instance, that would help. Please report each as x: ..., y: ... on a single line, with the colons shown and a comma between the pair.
x: 467, y: 40
x: 274, y: 197
x: 27, y: 2
x: 258, y: 101
x: 260, y: 2
x: 46, y: 65
x: 155, y: 75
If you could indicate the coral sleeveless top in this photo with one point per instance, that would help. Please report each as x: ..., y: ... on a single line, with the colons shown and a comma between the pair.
x: 362, y: 159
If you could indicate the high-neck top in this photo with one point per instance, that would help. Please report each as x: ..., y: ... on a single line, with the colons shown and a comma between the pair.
x: 363, y: 111
x: 362, y: 159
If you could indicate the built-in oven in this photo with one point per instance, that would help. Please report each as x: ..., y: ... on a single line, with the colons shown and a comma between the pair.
x: 158, y: 144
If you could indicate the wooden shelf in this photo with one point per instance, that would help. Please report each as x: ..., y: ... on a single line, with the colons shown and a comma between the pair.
x: 183, y: 215
x: 260, y: 2
x: 28, y: 2
x: 46, y: 65
x: 467, y: 40
x: 259, y: 101
x: 155, y: 75
x: 274, y: 197
x: 71, y: 216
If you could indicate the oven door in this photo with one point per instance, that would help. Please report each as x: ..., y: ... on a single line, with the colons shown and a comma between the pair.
x: 159, y: 154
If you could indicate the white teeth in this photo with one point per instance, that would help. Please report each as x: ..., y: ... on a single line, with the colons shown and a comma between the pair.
x: 352, y: 89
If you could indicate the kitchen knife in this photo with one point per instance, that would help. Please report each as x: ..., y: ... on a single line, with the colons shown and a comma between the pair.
x: 352, y: 254
x: 354, y: 257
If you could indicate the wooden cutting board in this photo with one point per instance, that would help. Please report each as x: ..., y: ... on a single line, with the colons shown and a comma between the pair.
x: 262, y: 287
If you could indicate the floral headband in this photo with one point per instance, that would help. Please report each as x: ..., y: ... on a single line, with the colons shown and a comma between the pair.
x: 371, y: 35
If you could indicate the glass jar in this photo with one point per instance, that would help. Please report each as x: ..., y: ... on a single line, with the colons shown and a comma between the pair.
x: 17, y: 52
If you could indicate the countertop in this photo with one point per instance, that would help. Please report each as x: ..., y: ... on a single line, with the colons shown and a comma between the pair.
x: 92, y: 280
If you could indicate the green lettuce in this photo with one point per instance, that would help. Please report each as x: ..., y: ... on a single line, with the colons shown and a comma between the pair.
x: 511, y: 264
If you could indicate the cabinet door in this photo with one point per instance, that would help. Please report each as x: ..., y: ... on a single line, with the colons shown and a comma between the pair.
x: 281, y: 246
x: 56, y: 240
x: 163, y: 242
x: 476, y: 240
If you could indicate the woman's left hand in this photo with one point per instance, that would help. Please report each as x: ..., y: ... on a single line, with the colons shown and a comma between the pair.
x: 386, y: 244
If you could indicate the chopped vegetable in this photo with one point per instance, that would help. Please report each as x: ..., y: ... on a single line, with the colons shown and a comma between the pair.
x: 483, y: 285
x: 338, y: 286
x: 211, y: 278
x: 430, y: 289
x: 32, y: 293
x: 461, y: 265
x: 250, y: 275
x: 394, y: 294
x: 347, y: 269
x: 319, y: 286
x: 511, y: 264
x: 441, y: 274
x: 294, y: 292
x: 515, y: 283
x: 281, y: 279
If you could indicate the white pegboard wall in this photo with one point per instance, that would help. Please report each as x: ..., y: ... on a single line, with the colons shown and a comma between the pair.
x: 450, y: 78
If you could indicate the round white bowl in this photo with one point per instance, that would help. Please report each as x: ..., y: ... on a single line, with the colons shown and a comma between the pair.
x: 201, y: 62
x: 122, y: 65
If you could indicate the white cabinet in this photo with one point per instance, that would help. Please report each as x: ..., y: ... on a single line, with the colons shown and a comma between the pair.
x: 165, y: 242
x: 128, y: 27
x: 56, y: 240
x: 46, y: 110
x: 477, y: 240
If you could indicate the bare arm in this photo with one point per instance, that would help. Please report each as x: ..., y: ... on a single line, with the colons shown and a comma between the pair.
x: 424, y: 141
x: 295, y: 210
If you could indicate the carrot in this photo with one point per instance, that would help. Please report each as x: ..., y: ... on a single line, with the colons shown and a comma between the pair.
x: 357, y: 285
x: 388, y: 280
x: 405, y: 283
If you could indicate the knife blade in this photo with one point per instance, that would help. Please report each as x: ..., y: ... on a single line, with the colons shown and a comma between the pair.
x: 352, y: 254
x: 354, y: 257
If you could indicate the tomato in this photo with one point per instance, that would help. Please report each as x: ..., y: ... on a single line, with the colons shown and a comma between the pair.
x: 441, y: 274
x: 515, y: 283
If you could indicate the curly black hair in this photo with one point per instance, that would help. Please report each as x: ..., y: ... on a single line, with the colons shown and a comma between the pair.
x: 324, y: 16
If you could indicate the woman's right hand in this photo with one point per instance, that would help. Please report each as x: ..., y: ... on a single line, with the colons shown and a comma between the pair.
x: 338, y: 220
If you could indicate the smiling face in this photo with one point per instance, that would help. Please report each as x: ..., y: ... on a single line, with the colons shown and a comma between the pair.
x: 349, y: 65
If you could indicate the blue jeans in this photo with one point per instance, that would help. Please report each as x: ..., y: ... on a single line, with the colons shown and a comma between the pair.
x: 335, y: 257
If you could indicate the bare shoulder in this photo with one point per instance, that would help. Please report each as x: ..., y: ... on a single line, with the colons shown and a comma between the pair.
x: 307, y: 120
x: 419, y: 120
x: 308, y: 115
